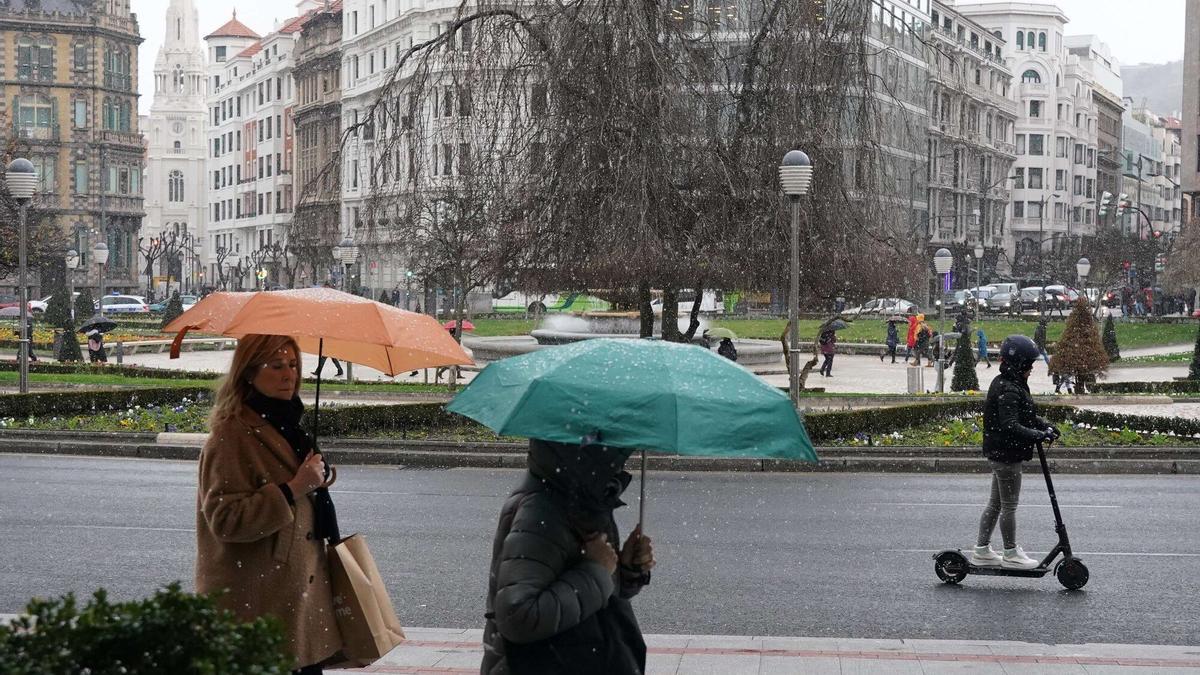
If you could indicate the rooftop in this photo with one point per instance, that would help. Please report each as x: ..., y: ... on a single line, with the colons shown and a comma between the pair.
x: 233, y: 28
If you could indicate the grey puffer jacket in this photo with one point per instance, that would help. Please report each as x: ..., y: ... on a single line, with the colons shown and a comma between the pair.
x: 549, y: 608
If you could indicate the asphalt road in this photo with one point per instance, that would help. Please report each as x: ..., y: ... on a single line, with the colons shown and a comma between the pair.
x: 819, y: 555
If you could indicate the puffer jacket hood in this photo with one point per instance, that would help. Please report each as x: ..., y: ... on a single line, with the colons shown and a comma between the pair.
x: 588, y: 478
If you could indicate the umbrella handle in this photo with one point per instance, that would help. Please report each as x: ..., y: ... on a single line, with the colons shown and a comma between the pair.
x: 645, y: 575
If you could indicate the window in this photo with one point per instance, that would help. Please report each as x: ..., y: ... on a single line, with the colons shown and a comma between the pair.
x: 464, y: 102
x: 1079, y: 153
x: 1020, y: 144
x: 1018, y: 207
x: 1019, y: 179
x: 354, y: 174
x: 1035, y: 144
x: 1041, y: 42
x: 1090, y: 188
x: 1020, y: 40
x: 1035, y: 179
x: 448, y: 159
x: 35, y: 60
x: 219, y: 54
x: 1034, y: 209
x: 1031, y: 76
x: 448, y: 102
x: 1060, y: 146
x: 80, y: 61
x: 464, y: 159
x: 34, y: 112
x: 1060, y: 179
x: 117, y: 73
x: 81, y: 113
x: 1077, y: 185
x: 1035, y: 108
x: 81, y: 178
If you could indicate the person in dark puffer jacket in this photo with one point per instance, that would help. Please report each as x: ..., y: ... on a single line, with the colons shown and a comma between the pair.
x: 558, y: 592
x: 1011, y: 429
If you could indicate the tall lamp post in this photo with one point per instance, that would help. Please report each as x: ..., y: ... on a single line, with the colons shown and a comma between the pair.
x: 942, y: 262
x: 100, y: 255
x: 795, y: 177
x: 72, y: 261
x: 21, y: 179
x: 978, y: 273
x: 1082, y: 268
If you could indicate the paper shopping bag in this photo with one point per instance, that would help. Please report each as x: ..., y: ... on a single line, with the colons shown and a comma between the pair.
x: 361, y: 604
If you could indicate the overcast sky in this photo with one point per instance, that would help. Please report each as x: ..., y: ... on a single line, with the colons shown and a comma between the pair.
x: 1138, y: 31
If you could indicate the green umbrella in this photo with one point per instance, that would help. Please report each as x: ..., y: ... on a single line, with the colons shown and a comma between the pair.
x: 720, y: 333
x: 676, y: 398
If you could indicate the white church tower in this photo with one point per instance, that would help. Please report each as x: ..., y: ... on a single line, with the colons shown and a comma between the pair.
x: 175, y: 153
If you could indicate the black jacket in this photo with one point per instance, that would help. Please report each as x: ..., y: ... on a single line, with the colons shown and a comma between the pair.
x: 1011, y: 427
x: 549, y: 608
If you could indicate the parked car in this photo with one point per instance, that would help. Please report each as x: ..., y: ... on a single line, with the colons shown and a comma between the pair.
x: 10, y: 305
x: 1002, y: 303
x: 965, y: 300
x: 1004, y: 287
x: 124, y: 304
x: 881, y: 306
x: 161, y: 305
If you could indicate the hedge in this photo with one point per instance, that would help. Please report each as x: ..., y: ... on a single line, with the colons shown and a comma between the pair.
x: 357, y: 419
x: 826, y: 426
x: 71, y: 402
x: 1169, y: 387
x: 1106, y: 420
x: 124, y: 371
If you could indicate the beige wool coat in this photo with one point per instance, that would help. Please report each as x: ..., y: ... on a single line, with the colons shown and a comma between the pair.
x: 256, y: 546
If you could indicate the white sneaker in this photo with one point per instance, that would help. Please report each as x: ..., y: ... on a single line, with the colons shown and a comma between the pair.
x: 984, y: 556
x: 1015, y: 558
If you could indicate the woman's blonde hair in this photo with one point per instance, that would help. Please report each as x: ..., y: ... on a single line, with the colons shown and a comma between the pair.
x: 252, y: 352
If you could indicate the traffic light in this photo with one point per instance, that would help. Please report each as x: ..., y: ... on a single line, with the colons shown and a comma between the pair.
x: 1122, y: 204
x: 1105, y: 203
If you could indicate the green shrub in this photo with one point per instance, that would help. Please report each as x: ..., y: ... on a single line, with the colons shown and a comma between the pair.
x: 1110, y: 340
x: 58, y: 311
x: 1079, y: 352
x: 171, y: 632
x: 67, y: 402
x: 965, y: 378
x: 1194, y: 370
x: 1178, y: 425
x: 113, y: 369
x: 369, y: 419
x: 1170, y: 387
x: 68, y: 350
x: 84, y: 306
x: 844, y: 424
x: 173, y: 310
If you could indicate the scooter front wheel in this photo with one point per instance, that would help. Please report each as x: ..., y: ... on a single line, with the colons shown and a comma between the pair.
x: 950, y: 566
x: 1072, y: 574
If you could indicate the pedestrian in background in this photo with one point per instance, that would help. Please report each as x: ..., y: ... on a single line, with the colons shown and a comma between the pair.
x: 1011, y: 428
x: 982, y: 348
x: 924, y: 333
x: 828, y: 342
x: 893, y: 339
x: 914, y: 324
x: 558, y: 590
x: 1039, y: 339
x: 263, y: 512
x: 727, y: 349
x: 29, y: 338
x: 95, y: 345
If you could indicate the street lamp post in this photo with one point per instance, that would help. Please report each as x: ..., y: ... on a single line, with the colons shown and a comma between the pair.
x: 100, y: 255
x: 942, y: 262
x: 21, y: 179
x: 72, y: 261
x: 978, y: 274
x: 1082, y: 268
x: 795, y: 177
x: 347, y: 253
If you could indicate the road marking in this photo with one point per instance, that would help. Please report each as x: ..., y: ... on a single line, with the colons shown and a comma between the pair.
x: 1078, y: 553
x: 127, y: 527
x: 981, y: 505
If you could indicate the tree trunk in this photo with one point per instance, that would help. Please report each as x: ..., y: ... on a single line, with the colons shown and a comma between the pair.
x: 694, y: 315
x: 670, y: 315
x: 460, y: 302
x: 645, y: 311
x: 808, y: 366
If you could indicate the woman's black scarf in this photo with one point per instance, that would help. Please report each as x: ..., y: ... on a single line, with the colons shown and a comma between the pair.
x: 285, y: 417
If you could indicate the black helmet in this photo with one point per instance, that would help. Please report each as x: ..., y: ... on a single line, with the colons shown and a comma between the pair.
x: 1019, y: 352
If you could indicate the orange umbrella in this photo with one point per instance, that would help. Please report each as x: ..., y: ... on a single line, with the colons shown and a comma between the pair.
x: 327, y: 322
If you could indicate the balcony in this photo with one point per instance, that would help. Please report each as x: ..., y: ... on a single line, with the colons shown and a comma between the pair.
x: 948, y: 128
x: 127, y: 138
x: 1034, y: 89
x: 35, y: 133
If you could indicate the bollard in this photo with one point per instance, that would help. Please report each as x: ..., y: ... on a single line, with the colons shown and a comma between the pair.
x: 120, y: 352
x: 349, y: 372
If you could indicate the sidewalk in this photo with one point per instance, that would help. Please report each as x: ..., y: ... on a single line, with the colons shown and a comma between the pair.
x: 434, y: 650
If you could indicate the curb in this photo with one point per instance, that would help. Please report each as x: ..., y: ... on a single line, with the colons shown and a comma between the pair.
x: 451, y: 454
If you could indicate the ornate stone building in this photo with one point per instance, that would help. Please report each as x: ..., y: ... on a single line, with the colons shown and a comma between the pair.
x: 971, y: 149
x: 69, y: 101
x: 318, y: 112
x: 175, y: 141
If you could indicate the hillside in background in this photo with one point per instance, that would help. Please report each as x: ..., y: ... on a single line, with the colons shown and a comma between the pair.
x: 1159, y: 84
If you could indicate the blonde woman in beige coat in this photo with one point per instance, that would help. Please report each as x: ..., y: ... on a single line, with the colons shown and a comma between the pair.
x: 263, y: 514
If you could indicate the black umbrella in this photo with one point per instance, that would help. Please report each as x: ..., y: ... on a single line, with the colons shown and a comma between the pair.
x: 98, y: 322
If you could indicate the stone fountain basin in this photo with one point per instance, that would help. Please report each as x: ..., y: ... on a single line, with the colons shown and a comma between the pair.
x: 751, y: 353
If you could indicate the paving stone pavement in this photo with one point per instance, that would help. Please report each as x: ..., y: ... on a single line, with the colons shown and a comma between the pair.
x: 446, y: 651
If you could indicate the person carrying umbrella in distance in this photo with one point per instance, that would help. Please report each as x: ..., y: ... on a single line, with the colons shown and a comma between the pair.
x: 892, y: 340
x: 587, y: 406
x: 95, y: 328
x: 726, y: 347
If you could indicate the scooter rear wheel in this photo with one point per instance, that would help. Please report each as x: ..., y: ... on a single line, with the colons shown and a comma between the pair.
x: 950, y: 566
x: 1072, y: 574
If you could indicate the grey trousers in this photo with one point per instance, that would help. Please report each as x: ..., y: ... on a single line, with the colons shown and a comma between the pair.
x: 1002, y: 506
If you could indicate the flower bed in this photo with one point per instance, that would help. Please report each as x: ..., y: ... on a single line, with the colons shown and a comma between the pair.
x: 1078, y: 429
x: 1168, y: 387
x: 31, y: 407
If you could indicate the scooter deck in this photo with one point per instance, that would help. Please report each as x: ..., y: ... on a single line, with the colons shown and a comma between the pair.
x: 998, y: 571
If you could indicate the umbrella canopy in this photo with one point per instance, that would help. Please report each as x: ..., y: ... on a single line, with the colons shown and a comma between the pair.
x: 329, y: 322
x: 838, y: 324
x: 98, y: 322
x: 671, y: 397
x: 721, y: 333
x: 466, y: 325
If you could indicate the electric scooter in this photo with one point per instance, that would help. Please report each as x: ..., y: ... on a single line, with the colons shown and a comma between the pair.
x: 952, y: 566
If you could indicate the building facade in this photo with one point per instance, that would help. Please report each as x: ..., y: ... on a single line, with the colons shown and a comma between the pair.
x: 251, y: 143
x: 1152, y: 163
x: 175, y: 154
x: 1107, y: 89
x: 1054, y: 188
x: 971, y: 138
x: 70, y: 95
x: 316, y: 225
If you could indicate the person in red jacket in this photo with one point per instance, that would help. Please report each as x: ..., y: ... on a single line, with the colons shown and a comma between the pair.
x: 914, y: 320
